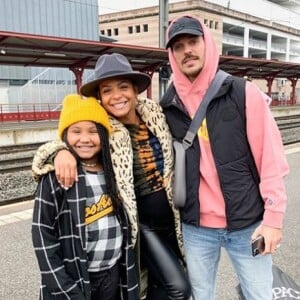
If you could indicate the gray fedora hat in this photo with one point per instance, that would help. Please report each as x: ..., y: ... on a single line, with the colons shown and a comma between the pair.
x: 113, y: 66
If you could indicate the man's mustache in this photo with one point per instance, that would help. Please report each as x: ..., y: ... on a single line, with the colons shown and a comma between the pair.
x: 187, y: 57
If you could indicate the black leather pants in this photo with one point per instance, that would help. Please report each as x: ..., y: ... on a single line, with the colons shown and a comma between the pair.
x: 161, y: 256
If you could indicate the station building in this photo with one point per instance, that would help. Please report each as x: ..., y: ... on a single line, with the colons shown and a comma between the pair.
x: 255, y: 29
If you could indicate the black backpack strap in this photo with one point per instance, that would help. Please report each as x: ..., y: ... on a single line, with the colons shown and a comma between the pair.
x: 201, y: 111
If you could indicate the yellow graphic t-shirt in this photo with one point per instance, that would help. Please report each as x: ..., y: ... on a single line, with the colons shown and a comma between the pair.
x: 202, y: 132
x: 98, y: 210
x: 103, y: 230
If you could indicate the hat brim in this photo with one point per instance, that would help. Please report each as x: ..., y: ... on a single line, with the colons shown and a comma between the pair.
x: 182, y: 32
x: 140, y: 80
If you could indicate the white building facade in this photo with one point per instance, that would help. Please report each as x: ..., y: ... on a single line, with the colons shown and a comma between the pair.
x: 254, y: 29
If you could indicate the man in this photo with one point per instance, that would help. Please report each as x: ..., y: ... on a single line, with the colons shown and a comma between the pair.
x: 235, y: 188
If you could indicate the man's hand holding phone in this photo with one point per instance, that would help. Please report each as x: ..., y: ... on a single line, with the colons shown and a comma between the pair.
x: 258, y: 245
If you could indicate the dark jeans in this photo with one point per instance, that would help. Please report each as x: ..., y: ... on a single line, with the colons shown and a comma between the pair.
x: 105, y: 284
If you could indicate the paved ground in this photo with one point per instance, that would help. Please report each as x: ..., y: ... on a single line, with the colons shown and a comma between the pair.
x: 19, y: 276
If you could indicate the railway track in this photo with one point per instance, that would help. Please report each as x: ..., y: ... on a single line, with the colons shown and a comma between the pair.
x: 289, y: 127
x: 16, y: 183
x: 12, y: 200
x: 16, y: 158
x: 18, y: 148
x: 16, y: 164
x: 288, y: 122
x: 19, y: 158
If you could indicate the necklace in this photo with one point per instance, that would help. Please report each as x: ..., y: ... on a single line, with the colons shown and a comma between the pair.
x: 88, y: 165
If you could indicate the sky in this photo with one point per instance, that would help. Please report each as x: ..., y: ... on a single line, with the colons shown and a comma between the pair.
x: 112, y: 6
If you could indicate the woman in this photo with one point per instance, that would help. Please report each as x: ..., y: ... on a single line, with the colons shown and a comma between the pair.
x: 141, y: 150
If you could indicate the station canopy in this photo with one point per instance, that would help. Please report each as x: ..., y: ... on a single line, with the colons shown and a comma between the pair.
x: 27, y: 50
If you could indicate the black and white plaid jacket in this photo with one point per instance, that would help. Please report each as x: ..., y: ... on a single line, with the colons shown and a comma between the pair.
x: 59, y: 239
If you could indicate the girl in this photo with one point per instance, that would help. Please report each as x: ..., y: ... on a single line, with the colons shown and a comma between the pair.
x: 80, y: 236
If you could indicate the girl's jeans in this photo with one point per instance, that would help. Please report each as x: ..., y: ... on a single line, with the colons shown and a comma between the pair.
x: 202, y: 249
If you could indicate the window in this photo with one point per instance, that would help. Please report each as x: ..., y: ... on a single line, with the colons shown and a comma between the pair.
x: 137, y: 28
x: 16, y: 81
x: 130, y: 29
x: 216, y: 25
x: 145, y: 27
x: 211, y: 24
x: 116, y: 31
x: 109, y: 32
x: 102, y: 32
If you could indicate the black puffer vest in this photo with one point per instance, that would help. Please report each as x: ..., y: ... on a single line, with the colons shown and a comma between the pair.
x: 226, y: 125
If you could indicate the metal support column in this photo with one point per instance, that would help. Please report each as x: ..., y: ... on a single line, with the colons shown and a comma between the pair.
x: 78, y: 72
x: 270, y: 80
x: 293, y: 93
x: 163, y: 24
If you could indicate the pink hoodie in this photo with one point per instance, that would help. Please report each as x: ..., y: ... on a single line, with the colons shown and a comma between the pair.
x: 263, y: 136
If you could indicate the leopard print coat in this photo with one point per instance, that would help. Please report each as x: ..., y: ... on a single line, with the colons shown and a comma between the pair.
x: 122, y: 157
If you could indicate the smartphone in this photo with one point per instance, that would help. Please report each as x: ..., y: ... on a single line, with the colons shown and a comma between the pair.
x: 258, y: 245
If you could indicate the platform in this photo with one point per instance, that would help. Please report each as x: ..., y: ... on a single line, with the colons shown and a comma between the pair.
x: 19, y: 276
x: 280, y: 111
x: 28, y: 132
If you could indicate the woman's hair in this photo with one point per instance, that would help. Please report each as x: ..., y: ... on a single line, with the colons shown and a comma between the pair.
x: 104, y: 157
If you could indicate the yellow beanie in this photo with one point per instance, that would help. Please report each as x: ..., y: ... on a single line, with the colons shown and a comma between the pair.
x: 76, y: 109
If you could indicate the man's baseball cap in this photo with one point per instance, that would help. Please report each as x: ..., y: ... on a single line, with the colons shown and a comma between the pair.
x: 184, y: 25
